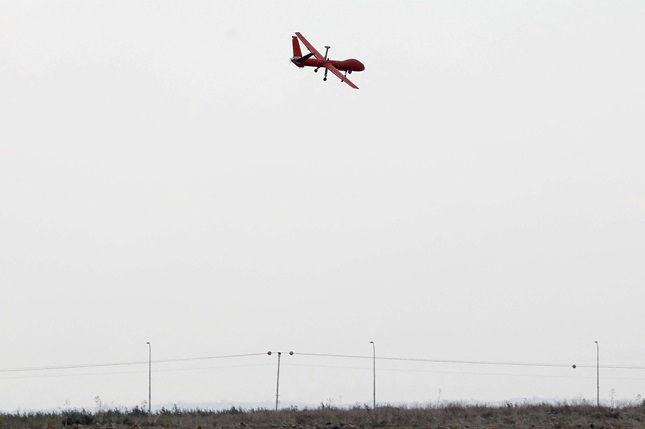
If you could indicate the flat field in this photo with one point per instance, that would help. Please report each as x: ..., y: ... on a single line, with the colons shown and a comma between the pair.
x: 448, y: 416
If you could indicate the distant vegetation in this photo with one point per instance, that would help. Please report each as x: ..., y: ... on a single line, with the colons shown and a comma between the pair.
x: 448, y: 416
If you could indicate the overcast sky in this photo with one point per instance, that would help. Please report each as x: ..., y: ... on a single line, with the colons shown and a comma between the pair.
x: 167, y: 175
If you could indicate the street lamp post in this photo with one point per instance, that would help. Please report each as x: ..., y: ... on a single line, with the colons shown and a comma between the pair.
x: 277, y: 385
x: 373, y: 374
x: 597, y: 373
x: 149, y: 378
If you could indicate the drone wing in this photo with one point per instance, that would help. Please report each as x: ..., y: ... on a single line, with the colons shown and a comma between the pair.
x: 310, y: 46
x: 342, y: 77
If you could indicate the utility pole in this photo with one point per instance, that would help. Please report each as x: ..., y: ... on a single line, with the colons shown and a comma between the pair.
x: 277, y: 385
x: 149, y: 378
x: 373, y: 374
x: 597, y: 373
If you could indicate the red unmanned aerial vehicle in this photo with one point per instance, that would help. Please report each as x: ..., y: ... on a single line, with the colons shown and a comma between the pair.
x: 319, y: 61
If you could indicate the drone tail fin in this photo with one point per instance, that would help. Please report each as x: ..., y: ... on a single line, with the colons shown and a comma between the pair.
x: 297, y: 53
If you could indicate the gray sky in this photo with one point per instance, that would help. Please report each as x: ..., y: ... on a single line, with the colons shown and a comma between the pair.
x: 166, y: 175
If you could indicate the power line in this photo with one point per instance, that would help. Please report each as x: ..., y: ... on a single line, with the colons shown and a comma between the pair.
x: 207, y: 368
x: 102, y: 365
x: 457, y: 372
x: 402, y: 359
x: 475, y: 362
x: 126, y: 372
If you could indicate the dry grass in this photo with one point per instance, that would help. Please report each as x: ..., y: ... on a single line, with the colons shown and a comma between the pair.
x: 449, y: 416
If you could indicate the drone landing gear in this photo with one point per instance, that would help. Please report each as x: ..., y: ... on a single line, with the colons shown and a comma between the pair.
x: 316, y: 71
x: 326, y: 52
